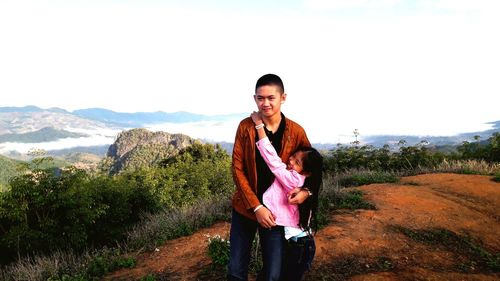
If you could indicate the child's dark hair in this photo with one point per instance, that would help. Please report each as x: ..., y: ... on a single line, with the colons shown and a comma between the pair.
x: 270, y: 80
x: 312, y: 163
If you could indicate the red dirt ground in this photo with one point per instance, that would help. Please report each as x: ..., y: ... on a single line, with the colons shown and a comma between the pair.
x: 369, y: 244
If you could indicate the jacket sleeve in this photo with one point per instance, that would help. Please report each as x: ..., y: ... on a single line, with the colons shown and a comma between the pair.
x: 289, y: 179
x: 240, y: 177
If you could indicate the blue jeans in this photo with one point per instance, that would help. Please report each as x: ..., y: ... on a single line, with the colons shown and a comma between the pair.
x: 241, y: 237
x: 298, y: 258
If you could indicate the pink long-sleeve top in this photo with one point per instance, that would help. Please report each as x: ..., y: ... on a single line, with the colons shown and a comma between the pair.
x: 275, y: 197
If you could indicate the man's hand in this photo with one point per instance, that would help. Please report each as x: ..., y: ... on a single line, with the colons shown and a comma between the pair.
x: 297, y: 196
x: 265, y: 217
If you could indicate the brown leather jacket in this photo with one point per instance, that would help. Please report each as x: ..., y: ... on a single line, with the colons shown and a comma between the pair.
x: 244, y: 167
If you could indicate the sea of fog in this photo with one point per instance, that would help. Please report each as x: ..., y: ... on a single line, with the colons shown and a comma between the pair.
x: 217, y: 131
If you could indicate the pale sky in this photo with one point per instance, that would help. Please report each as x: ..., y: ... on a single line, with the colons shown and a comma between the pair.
x: 429, y: 67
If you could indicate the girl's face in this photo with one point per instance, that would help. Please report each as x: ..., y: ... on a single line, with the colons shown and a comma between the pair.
x: 295, y: 162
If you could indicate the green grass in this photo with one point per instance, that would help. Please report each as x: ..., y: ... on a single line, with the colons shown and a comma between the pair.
x: 345, y: 267
x: 496, y: 177
x: 368, y: 177
x: 470, y: 252
x: 333, y: 196
x: 412, y: 183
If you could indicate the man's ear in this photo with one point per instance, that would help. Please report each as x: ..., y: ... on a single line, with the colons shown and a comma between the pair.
x: 283, y: 98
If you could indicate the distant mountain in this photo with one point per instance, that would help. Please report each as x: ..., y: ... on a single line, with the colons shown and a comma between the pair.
x: 43, y: 135
x: 28, y: 125
x: 32, y: 118
x: 380, y: 140
x: 139, y: 119
x: 99, y: 150
x: 31, y: 108
x: 19, y: 120
x: 139, y: 148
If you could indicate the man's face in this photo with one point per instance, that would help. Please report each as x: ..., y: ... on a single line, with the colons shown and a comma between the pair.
x: 268, y: 100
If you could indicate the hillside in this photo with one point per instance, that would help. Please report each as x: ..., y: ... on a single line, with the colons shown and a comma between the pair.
x: 139, y: 147
x: 43, y: 135
x: 426, y: 227
x: 100, y: 126
x: 7, y: 170
x: 25, y: 121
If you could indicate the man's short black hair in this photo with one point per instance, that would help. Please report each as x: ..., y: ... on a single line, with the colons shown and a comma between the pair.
x: 270, y: 80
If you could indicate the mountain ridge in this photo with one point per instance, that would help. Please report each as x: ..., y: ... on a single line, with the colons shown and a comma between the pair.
x: 91, y: 121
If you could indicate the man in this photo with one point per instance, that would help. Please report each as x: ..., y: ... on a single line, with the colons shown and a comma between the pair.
x: 252, y: 177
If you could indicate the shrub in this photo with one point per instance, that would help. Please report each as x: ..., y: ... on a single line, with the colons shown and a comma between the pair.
x: 157, y: 228
x: 368, y: 177
x: 218, y: 250
x: 468, y: 167
x: 488, y: 150
x: 367, y: 157
x: 51, y: 209
x: 496, y: 177
x: 333, y: 196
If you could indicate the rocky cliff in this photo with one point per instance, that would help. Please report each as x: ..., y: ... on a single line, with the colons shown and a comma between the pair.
x: 139, y: 147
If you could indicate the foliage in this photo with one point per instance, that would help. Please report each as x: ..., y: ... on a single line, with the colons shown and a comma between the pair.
x: 488, y: 151
x: 7, y: 170
x: 345, y: 158
x: 480, y: 167
x: 408, y: 158
x: 108, y: 261
x: 353, y: 200
x: 334, y: 196
x: 167, y: 224
x: 340, y: 199
x: 368, y: 177
x: 50, y: 209
x: 496, y: 177
x: 148, y: 277
x: 470, y: 251
x: 218, y: 250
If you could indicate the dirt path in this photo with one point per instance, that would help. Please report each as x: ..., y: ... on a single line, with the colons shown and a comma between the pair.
x: 427, y: 227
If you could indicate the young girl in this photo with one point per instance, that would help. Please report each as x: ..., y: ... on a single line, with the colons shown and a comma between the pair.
x: 305, y: 163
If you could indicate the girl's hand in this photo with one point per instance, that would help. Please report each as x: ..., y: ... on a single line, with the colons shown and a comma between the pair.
x: 297, y: 196
x: 257, y: 120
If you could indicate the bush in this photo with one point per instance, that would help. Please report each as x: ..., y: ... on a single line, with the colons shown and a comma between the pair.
x: 218, y: 251
x: 367, y: 157
x: 157, y: 228
x: 496, y: 177
x: 488, y: 150
x: 368, y: 177
x: 47, y: 210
